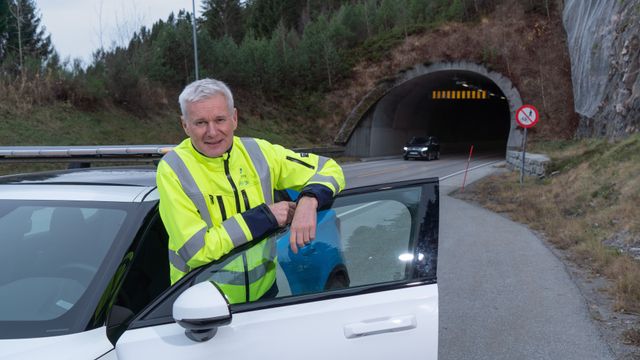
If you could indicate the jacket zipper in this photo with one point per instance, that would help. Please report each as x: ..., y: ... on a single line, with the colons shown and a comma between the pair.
x: 247, y: 206
x: 247, y: 293
x: 233, y: 185
x: 223, y: 213
x: 301, y: 162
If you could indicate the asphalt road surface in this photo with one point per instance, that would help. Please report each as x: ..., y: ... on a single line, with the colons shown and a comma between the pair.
x: 503, y: 294
x: 396, y: 169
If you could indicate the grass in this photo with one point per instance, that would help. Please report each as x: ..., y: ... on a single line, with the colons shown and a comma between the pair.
x: 378, y: 47
x: 63, y: 124
x: 588, y: 206
x: 60, y: 124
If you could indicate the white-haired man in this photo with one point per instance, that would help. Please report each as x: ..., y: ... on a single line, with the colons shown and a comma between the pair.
x: 217, y: 193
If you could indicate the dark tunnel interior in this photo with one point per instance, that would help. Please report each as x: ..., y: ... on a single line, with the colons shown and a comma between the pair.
x: 461, y: 108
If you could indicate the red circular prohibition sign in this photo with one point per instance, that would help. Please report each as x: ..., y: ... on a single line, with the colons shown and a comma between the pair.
x: 527, y: 116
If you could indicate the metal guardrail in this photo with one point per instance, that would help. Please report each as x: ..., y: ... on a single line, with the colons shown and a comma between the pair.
x: 327, y: 151
x: 113, y: 153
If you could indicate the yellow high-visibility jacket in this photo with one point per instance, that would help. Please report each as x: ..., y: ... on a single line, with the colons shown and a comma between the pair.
x: 209, y: 206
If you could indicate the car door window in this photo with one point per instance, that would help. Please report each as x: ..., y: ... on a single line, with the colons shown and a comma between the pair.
x: 373, y: 237
x: 363, y: 240
x: 148, y: 273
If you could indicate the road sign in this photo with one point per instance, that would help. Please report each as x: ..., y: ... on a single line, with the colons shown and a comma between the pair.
x: 527, y: 116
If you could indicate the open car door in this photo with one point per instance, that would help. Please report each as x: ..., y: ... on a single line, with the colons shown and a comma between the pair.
x: 379, y: 299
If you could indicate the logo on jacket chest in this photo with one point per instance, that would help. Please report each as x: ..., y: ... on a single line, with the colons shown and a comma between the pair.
x: 244, y: 180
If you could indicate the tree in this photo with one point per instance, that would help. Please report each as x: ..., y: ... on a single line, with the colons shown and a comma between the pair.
x: 418, y: 10
x: 223, y: 18
x: 386, y: 17
x: 265, y: 15
x: 24, y: 35
x: 354, y: 22
x: 319, y: 47
x: 4, y: 18
x: 252, y: 53
x: 172, y: 50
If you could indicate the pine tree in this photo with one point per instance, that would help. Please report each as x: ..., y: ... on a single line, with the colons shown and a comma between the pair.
x: 263, y: 16
x: 223, y: 18
x: 4, y: 17
x: 24, y: 37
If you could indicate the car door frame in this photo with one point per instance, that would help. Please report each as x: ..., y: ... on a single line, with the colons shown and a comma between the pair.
x: 423, y: 268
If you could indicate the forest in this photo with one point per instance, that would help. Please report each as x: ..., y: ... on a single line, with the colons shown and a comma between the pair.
x: 268, y: 48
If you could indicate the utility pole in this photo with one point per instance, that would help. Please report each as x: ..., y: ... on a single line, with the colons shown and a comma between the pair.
x: 195, y: 40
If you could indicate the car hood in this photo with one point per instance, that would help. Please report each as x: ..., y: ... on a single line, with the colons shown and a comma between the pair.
x: 82, y: 346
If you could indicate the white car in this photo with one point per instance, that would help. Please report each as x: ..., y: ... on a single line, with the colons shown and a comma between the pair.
x: 84, y: 274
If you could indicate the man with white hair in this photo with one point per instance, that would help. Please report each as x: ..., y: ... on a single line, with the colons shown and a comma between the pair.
x: 217, y: 193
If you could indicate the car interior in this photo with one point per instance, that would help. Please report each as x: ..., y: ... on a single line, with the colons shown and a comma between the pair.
x: 148, y: 275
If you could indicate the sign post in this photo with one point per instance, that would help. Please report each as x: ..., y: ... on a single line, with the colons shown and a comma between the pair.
x: 467, y: 169
x: 526, y: 116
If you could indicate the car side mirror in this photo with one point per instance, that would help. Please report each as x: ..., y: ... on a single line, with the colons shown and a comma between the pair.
x: 200, y: 310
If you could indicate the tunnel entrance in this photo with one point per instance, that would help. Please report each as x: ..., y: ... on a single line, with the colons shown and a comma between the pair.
x: 459, y: 106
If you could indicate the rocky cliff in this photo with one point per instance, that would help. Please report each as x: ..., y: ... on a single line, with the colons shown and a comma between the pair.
x: 603, y: 37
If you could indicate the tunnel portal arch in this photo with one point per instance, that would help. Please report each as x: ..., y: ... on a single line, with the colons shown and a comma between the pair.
x: 435, y: 100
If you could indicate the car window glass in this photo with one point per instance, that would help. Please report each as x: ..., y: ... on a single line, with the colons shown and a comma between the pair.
x: 417, y: 140
x: 376, y: 235
x: 148, y: 273
x: 363, y: 240
x: 50, y: 254
x: 40, y: 220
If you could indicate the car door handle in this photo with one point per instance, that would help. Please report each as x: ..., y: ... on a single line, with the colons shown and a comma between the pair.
x: 380, y: 325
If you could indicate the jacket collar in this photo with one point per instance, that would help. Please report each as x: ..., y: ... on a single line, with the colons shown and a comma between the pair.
x: 226, y: 155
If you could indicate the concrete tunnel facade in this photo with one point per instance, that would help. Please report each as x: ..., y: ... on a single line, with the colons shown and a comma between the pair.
x: 461, y: 103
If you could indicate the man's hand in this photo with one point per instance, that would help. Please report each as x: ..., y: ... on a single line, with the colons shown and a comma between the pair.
x: 303, y: 226
x: 283, y: 211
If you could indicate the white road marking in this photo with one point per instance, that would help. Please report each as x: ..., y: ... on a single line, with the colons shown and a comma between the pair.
x: 358, y: 208
x: 473, y: 168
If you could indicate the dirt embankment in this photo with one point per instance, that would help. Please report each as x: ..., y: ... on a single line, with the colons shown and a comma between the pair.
x: 528, y: 48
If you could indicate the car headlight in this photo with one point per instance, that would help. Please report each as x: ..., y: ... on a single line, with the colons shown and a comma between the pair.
x: 405, y: 148
x: 425, y: 148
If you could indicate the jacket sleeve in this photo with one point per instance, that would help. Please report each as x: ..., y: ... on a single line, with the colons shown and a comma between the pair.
x: 308, y: 173
x: 192, y: 241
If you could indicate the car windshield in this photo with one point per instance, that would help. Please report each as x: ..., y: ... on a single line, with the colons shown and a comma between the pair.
x: 417, y: 141
x: 51, y: 253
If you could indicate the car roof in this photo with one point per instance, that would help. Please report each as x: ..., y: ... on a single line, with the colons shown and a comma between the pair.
x: 119, y: 175
x: 418, y: 139
x: 122, y: 184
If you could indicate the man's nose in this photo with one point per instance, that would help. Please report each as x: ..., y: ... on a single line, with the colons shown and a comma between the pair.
x: 211, y: 128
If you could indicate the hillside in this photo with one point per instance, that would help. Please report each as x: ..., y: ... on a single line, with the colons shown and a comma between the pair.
x: 526, y: 46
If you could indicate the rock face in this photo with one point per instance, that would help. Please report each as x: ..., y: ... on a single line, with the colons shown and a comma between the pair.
x: 604, y: 46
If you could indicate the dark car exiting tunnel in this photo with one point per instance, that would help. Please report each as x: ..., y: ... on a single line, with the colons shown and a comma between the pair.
x: 422, y: 148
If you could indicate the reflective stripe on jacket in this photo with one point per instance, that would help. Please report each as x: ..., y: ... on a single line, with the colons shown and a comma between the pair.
x: 211, y: 205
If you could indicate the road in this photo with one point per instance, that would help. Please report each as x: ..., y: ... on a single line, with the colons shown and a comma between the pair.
x: 396, y: 169
x: 503, y: 294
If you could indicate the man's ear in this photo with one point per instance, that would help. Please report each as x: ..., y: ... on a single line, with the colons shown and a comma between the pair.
x: 235, y: 118
x: 183, y: 123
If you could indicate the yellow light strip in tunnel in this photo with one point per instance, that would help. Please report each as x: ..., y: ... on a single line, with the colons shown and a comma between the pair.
x: 459, y: 94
